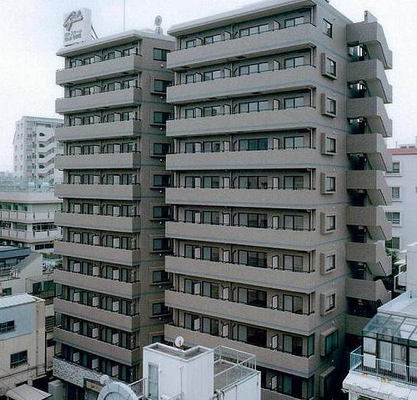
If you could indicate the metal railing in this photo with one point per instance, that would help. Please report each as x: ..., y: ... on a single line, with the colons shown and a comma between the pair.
x: 369, y: 364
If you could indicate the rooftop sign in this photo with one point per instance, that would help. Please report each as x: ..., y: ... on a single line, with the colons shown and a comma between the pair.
x: 77, y: 26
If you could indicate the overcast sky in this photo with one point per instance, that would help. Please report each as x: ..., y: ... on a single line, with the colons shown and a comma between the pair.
x: 31, y: 32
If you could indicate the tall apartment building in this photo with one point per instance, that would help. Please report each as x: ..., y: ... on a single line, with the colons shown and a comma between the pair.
x: 27, y: 218
x: 35, y: 149
x: 112, y: 281
x: 402, y: 179
x: 278, y: 185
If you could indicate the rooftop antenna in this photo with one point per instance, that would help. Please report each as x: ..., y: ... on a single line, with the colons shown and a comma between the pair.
x: 158, y: 22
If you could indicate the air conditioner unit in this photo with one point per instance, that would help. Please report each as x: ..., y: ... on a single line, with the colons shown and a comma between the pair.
x: 116, y: 274
x: 76, y: 357
x: 94, y: 333
x: 77, y: 208
x: 96, y: 240
x: 116, y: 243
x: 76, y: 297
x: 95, y: 301
x: 77, y: 267
x: 96, y: 270
x: 115, y: 338
x: 77, y: 238
x: 115, y: 306
x: 225, y: 331
x: 116, y: 211
x: 94, y: 363
x: 96, y: 210
x: 115, y: 370
x: 76, y: 327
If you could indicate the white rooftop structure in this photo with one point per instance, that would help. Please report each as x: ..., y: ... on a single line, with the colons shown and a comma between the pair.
x: 170, y: 373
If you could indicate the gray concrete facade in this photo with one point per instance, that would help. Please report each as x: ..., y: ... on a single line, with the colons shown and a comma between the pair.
x: 113, y: 213
x: 278, y: 160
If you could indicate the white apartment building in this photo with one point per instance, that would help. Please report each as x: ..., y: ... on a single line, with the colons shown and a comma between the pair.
x: 403, y: 181
x: 22, y: 341
x: 27, y: 219
x: 35, y: 149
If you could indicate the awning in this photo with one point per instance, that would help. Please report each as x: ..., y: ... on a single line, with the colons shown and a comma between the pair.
x: 26, y: 392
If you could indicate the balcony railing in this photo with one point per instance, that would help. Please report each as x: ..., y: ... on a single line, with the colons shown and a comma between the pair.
x: 280, y: 147
x: 369, y: 364
x: 238, y: 75
x: 236, y: 35
x: 99, y: 91
x: 236, y: 187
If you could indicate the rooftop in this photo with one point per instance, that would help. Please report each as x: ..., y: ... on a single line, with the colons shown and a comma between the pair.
x: 257, y: 9
x: 16, y: 300
x: 113, y: 40
x: 403, y: 151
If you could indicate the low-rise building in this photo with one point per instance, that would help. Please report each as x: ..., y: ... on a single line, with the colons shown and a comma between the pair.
x: 27, y: 219
x: 22, y: 341
x: 385, y: 367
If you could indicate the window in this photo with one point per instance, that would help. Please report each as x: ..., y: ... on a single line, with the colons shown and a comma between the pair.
x: 330, y: 302
x: 159, y: 309
x: 331, y: 342
x: 161, y: 180
x: 330, y: 262
x: 8, y: 291
x: 161, y: 212
x: 161, y: 149
x: 395, y: 168
x: 7, y: 326
x: 294, y: 142
x: 395, y: 193
x: 252, y: 258
x: 18, y: 359
x: 190, y: 113
x: 293, y: 304
x: 293, y: 62
x: 330, y: 145
x: 160, y: 276
x: 253, y: 106
x: 253, y: 182
x: 160, y: 86
x: 210, y: 326
x: 394, y: 217
x: 327, y: 28
x: 294, y: 102
x: 330, y: 223
x: 330, y: 66
x: 293, y: 182
x: 212, y: 111
x: 394, y: 243
x: 190, y: 43
x: 162, y: 244
x: 160, y: 54
x: 253, y: 220
x: 253, y: 68
x: 293, y: 222
x: 213, y: 39
x: 254, y: 30
x: 330, y: 184
x: 160, y: 117
x: 293, y: 345
x: 212, y: 75
x: 294, y: 21
x: 293, y: 263
x: 251, y: 297
x: 211, y: 182
x: 211, y: 147
x: 330, y: 106
x: 253, y: 144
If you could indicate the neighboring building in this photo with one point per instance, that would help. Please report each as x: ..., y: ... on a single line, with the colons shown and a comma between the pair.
x: 27, y: 219
x: 22, y: 341
x: 35, y: 149
x: 402, y: 179
x: 23, y: 271
x: 385, y: 367
x: 278, y: 231
x: 197, y: 373
x: 112, y: 281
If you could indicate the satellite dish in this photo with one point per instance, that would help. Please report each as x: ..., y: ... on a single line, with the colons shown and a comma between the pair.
x: 179, y: 341
x: 158, y: 20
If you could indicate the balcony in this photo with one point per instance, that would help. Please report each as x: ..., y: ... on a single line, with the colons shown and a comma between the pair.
x: 373, y: 109
x: 99, y: 222
x: 373, y: 254
x: 231, y: 160
x: 99, y: 192
x: 373, y: 146
x: 284, y: 40
x: 373, y: 182
x: 98, y: 253
x: 115, y: 98
x: 100, y: 348
x: 302, y: 282
x: 96, y: 284
x: 30, y: 236
x: 262, y: 83
x: 385, y: 369
x: 98, y: 161
x: 253, y: 198
x: 258, y: 316
x: 73, y: 373
x: 101, y: 70
x: 372, y: 36
x: 373, y: 218
x: 106, y: 130
x: 373, y: 73
x: 367, y: 290
x: 273, y: 238
x: 294, y: 118
x: 265, y: 357
x: 97, y: 315
x: 27, y: 216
